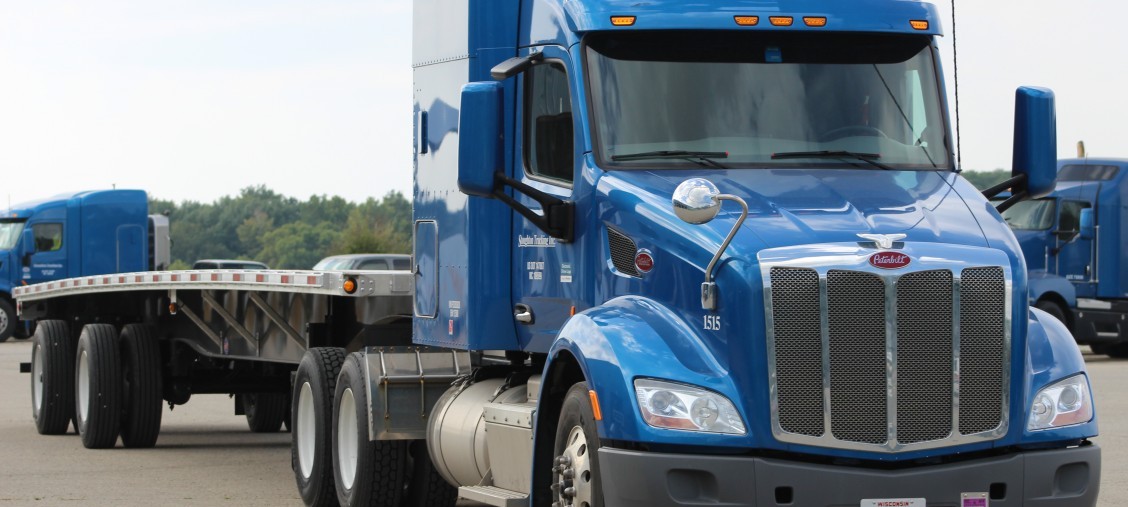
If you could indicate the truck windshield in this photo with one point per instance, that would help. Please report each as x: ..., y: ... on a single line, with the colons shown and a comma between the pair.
x: 1036, y: 215
x: 10, y: 233
x: 774, y: 100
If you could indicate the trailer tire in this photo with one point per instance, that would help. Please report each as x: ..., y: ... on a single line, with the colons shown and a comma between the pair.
x: 311, y: 434
x: 98, y: 386
x: 52, y: 377
x: 576, y: 449
x: 8, y: 320
x: 265, y: 411
x: 427, y: 488
x: 141, y: 375
x: 366, y: 472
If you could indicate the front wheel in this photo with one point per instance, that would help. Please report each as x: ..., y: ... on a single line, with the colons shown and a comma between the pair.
x: 575, y: 470
x: 8, y: 320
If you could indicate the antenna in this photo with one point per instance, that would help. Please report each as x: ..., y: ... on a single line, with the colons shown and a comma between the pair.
x: 956, y: 73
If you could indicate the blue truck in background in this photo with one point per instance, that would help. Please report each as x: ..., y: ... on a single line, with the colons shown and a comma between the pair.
x: 1074, y: 241
x: 76, y: 234
x: 666, y: 253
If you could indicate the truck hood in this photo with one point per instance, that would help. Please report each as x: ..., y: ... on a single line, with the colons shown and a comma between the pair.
x: 792, y: 207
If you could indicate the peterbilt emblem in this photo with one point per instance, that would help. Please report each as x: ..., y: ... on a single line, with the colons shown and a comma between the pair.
x: 644, y: 262
x: 883, y: 241
x: 889, y: 260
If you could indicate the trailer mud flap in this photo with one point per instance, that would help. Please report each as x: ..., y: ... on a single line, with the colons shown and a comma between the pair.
x: 403, y: 385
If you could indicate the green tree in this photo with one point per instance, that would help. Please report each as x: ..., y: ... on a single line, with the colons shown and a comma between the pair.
x: 297, y: 245
x: 985, y: 179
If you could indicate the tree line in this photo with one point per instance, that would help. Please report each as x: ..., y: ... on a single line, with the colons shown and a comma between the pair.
x: 284, y: 232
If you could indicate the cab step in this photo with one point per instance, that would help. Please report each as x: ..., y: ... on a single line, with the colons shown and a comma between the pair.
x: 493, y: 495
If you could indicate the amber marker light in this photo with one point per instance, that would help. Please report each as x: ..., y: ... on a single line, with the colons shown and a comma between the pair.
x: 815, y: 21
x: 349, y: 285
x: 747, y: 20
x: 919, y: 24
x: 781, y: 20
x: 595, y: 411
x: 622, y: 20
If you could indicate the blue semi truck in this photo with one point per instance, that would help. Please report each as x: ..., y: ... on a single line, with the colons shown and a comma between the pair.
x: 666, y: 253
x: 76, y: 234
x: 1074, y: 241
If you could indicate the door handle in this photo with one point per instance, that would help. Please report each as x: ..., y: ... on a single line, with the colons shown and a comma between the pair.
x: 523, y: 313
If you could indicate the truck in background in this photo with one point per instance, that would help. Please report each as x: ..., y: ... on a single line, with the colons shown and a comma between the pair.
x: 76, y: 234
x: 585, y: 326
x: 1074, y: 241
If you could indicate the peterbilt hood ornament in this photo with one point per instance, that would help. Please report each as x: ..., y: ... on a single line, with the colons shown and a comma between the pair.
x: 883, y: 241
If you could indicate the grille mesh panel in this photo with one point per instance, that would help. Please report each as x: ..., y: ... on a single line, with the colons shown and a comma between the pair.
x: 856, y: 320
x: 921, y: 308
x: 798, y: 350
x: 982, y: 353
x: 623, y: 250
x: 924, y: 356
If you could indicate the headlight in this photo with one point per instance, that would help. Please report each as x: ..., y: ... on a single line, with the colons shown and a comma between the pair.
x: 685, y: 407
x: 1063, y: 403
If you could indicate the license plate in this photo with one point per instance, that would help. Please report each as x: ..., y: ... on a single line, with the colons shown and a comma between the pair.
x: 893, y: 502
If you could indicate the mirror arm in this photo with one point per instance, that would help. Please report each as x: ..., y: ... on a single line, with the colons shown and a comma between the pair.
x: 558, y: 220
x: 1016, y: 181
x: 514, y: 66
x: 1011, y: 201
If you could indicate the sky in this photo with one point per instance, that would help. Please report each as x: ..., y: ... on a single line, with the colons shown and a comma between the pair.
x: 196, y: 99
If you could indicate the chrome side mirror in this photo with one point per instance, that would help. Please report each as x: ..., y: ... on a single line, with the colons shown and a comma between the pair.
x: 695, y: 201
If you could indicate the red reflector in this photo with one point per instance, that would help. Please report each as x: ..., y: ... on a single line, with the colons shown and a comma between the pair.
x: 176, y: 278
x: 193, y: 277
x: 285, y: 278
x: 138, y: 279
x: 156, y: 278
x: 237, y: 277
x: 215, y: 277
x: 312, y: 280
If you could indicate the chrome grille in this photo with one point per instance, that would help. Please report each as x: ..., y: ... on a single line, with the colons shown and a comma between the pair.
x: 888, y: 360
x: 856, y: 322
x: 798, y: 359
x: 982, y: 350
x: 924, y: 356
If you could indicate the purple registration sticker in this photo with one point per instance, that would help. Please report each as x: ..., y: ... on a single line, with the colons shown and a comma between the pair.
x: 973, y: 500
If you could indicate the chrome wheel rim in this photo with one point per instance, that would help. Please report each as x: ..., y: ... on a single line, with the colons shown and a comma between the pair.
x: 305, y: 429
x: 572, y: 471
x: 347, y: 442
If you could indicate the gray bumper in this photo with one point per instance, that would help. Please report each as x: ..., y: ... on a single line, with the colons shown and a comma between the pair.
x: 1062, y: 477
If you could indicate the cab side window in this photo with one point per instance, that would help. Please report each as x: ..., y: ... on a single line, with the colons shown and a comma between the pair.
x: 1070, y: 220
x: 548, y: 123
x: 48, y: 237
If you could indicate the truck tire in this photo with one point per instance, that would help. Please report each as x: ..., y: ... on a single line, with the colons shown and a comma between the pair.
x: 141, y: 374
x: 311, y: 434
x: 1053, y: 309
x: 427, y: 488
x: 52, y: 377
x: 98, y: 386
x: 576, y: 453
x: 8, y: 320
x: 264, y: 411
x: 366, y: 472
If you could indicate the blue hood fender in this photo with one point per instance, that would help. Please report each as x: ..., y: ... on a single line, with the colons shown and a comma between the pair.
x: 635, y: 337
x: 1051, y: 355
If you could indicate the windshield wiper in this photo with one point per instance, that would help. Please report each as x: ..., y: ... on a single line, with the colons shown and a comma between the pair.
x: 703, y: 158
x: 870, y: 158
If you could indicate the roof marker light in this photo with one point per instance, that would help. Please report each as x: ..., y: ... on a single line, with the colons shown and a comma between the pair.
x: 747, y: 20
x: 622, y: 20
x: 814, y: 21
x: 781, y: 20
x: 919, y: 24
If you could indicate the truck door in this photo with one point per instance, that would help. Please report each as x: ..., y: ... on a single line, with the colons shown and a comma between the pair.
x: 49, y: 258
x: 545, y: 276
x: 1075, y: 254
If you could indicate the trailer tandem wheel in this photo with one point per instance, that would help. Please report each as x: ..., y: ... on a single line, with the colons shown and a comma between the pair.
x: 52, y: 377
x: 367, y: 472
x: 265, y: 411
x: 141, y: 365
x: 312, y: 418
x: 98, y: 386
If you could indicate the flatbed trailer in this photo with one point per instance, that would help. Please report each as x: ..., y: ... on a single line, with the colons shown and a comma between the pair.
x: 240, y: 332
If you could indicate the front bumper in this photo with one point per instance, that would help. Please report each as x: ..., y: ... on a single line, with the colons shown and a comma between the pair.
x: 1060, y: 477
